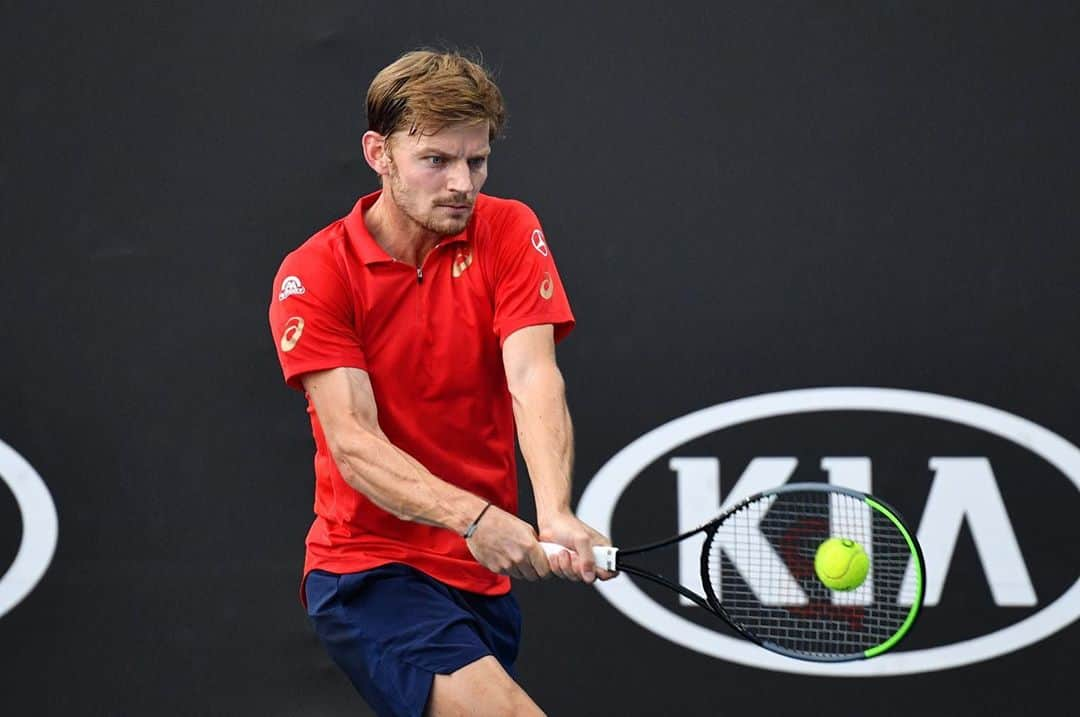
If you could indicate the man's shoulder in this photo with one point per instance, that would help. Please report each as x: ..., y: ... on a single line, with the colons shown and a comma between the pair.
x: 323, y: 249
x: 498, y: 219
x: 499, y: 209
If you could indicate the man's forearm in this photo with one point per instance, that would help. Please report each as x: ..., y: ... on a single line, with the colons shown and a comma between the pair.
x: 399, y: 484
x: 545, y: 434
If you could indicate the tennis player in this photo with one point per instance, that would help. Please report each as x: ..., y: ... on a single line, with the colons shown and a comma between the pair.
x: 422, y: 328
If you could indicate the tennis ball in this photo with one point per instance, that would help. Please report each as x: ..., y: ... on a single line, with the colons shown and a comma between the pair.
x: 841, y: 564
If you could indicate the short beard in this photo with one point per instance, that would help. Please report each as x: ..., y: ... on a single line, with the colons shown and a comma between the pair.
x: 442, y: 227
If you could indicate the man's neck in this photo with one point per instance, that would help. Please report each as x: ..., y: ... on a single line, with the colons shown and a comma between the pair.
x: 397, y: 234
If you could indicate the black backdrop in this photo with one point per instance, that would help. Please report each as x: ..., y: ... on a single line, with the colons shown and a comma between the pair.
x: 742, y: 198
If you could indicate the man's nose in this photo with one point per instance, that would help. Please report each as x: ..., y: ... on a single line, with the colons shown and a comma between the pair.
x: 458, y: 178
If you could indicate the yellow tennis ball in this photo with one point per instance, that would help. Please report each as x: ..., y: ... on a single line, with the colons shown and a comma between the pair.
x: 841, y: 564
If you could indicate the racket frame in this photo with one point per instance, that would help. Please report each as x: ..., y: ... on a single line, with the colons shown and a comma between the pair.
x: 711, y: 603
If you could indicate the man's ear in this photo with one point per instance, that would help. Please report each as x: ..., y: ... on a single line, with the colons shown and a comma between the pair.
x: 377, y: 152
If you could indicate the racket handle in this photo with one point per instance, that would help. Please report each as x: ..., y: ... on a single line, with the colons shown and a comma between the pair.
x: 604, y: 554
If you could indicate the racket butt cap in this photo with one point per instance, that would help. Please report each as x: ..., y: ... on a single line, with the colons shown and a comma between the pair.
x: 605, y: 557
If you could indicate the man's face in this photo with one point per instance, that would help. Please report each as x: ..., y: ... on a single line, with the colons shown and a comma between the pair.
x: 434, y: 179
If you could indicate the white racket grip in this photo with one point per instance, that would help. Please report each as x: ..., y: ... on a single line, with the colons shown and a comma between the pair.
x: 604, y: 554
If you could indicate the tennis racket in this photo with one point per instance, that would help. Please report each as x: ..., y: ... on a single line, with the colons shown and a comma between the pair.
x: 762, y: 574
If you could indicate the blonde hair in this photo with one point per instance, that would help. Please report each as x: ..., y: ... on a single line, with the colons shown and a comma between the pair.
x: 424, y: 90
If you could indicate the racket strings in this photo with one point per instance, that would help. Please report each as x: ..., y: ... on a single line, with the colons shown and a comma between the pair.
x: 759, y: 566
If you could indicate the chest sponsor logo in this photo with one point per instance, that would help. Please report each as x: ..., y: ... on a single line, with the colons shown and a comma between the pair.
x: 547, y: 287
x: 538, y: 242
x: 993, y: 495
x: 39, y: 528
x: 294, y: 329
x: 462, y: 261
x: 290, y: 286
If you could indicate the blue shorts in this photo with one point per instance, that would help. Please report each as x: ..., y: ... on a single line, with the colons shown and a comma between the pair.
x: 393, y: 628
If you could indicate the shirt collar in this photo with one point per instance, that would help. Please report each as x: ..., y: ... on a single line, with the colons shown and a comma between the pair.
x: 366, y: 246
x: 369, y: 250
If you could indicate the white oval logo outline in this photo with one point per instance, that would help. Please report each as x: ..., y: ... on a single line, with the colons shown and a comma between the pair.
x: 602, y: 494
x: 40, y: 528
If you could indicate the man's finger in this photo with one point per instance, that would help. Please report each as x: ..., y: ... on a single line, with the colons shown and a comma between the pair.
x: 525, y: 568
x: 555, y: 561
x: 586, y: 561
x: 566, y: 566
x: 562, y: 564
x: 538, y: 562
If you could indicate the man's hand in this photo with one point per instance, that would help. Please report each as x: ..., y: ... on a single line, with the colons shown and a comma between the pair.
x: 579, y: 565
x: 507, y: 545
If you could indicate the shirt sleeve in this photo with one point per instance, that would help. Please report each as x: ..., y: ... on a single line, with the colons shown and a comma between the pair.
x: 312, y: 319
x: 528, y: 290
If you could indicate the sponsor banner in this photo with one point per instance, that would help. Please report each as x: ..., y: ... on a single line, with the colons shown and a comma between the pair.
x: 39, y: 528
x: 949, y: 491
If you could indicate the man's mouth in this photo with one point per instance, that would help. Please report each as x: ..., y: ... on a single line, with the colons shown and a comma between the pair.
x: 455, y: 204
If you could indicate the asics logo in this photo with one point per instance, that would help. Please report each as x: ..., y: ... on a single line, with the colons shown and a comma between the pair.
x: 462, y: 261
x: 294, y: 329
x: 547, y: 287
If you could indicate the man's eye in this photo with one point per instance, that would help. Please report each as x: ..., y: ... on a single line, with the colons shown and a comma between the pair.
x: 436, y: 161
x: 477, y: 162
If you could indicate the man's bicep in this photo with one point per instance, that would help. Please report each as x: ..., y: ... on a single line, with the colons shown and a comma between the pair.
x: 527, y: 350
x: 343, y: 399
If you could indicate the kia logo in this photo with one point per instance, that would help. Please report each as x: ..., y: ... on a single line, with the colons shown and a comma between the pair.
x: 39, y: 528
x: 963, y: 491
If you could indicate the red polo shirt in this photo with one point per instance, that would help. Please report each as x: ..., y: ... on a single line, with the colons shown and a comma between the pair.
x: 430, y: 339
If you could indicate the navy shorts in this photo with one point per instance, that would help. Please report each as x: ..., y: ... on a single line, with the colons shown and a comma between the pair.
x: 393, y: 628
